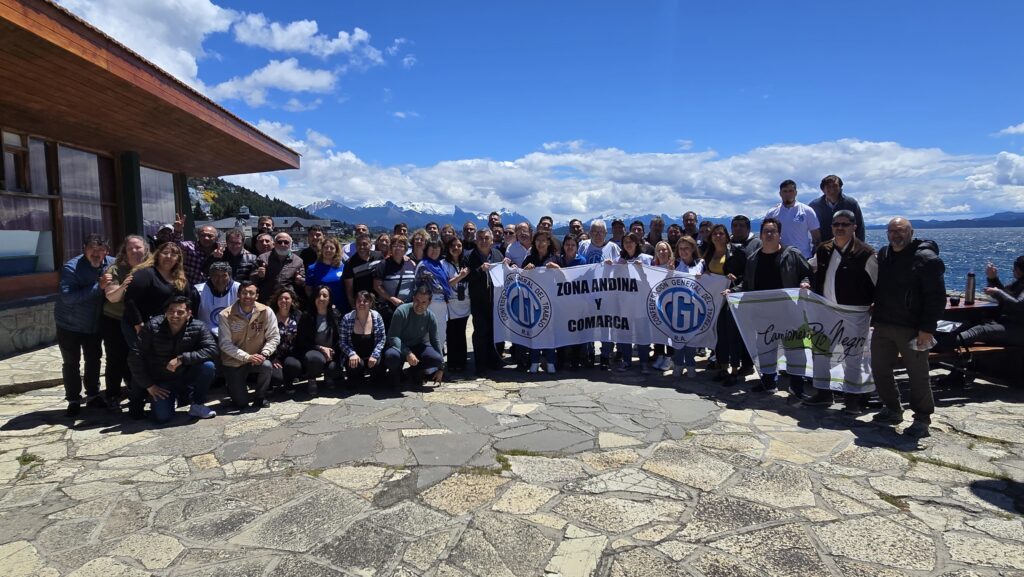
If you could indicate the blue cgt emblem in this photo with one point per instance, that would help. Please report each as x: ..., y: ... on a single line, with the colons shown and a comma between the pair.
x: 682, y: 309
x: 523, y: 304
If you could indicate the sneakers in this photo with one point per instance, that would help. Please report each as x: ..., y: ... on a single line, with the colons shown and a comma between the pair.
x: 201, y: 412
x: 888, y: 416
x: 550, y: 368
x: 918, y: 430
x: 260, y: 404
x: 668, y: 364
x: 534, y: 369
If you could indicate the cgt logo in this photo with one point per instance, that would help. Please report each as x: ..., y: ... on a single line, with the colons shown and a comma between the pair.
x: 524, y: 307
x: 680, y: 308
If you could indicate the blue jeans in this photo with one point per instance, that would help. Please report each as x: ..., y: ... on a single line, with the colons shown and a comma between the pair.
x: 430, y: 361
x: 685, y: 357
x: 195, y: 378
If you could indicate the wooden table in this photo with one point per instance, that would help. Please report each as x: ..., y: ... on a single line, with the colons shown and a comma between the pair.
x: 979, y: 311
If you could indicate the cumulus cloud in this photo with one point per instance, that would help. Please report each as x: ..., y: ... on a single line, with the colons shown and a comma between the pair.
x: 887, y: 178
x: 169, y: 33
x: 296, y: 105
x: 285, y: 75
x: 684, y: 144
x: 302, y: 36
x: 396, y: 45
x: 403, y: 114
x: 1011, y: 130
x: 408, y: 61
x: 571, y: 145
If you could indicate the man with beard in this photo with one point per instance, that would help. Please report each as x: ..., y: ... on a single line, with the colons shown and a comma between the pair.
x: 799, y: 222
x: 279, y: 268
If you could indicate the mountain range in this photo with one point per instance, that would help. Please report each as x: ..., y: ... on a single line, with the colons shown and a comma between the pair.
x: 417, y: 214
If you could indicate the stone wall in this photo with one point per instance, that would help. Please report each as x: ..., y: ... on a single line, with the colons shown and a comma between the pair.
x: 26, y: 326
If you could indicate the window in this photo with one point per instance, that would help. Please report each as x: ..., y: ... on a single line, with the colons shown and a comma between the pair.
x: 87, y: 187
x: 158, y: 205
x: 26, y: 220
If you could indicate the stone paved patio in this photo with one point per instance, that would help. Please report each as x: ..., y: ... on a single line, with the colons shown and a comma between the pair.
x: 621, y: 477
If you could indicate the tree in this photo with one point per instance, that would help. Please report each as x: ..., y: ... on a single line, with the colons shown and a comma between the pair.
x: 197, y: 212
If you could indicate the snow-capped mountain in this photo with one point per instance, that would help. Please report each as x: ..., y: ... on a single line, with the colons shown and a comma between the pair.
x: 415, y: 214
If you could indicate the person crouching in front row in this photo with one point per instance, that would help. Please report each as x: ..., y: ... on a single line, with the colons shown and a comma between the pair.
x: 248, y: 336
x: 174, y: 351
x: 412, y: 338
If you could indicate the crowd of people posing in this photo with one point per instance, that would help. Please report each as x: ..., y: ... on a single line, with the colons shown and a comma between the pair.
x: 176, y: 316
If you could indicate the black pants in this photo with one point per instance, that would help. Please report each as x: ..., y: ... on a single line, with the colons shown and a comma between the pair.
x: 994, y: 333
x: 116, y: 350
x: 456, y: 338
x: 73, y: 346
x: 309, y: 365
x: 393, y: 361
x: 484, y: 352
x: 729, y: 349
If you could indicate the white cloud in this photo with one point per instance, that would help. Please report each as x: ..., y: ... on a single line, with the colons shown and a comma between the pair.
x: 408, y: 61
x: 684, y: 144
x: 570, y: 145
x: 286, y: 75
x: 169, y: 33
x: 887, y: 178
x: 302, y: 36
x: 403, y: 114
x: 396, y: 45
x: 1011, y: 130
x: 296, y: 105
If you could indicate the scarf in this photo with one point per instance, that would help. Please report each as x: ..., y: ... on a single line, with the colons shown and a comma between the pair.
x: 437, y: 270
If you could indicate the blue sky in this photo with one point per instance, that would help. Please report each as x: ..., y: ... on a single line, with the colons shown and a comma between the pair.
x: 611, y: 107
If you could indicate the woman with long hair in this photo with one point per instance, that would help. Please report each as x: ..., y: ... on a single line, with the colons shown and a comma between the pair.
x: 394, y: 279
x: 458, y: 307
x: 362, y: 340
x: 154, y: 282
x: 317, y: 341
x: 286, y: 365
x: 541, y: 254
x: 572, y: 356
x: 432, y: 273
x: 632, y: 253
x: 664, y: 257
x: 134, y: 250
x: 382, y: 245
x: 722, y: 258
x: 327, y: 271
x: 689, y: 262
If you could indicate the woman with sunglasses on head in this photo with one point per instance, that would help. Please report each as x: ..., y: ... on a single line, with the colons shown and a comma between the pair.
x: 722, y: 258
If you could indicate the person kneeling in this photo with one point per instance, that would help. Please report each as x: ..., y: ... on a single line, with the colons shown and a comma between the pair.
x: 248, y: 336
x: 362, y: 339
x: 174, y: 351
x: 412, y: 338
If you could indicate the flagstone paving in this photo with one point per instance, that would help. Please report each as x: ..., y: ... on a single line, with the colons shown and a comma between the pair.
x: 620, y: 476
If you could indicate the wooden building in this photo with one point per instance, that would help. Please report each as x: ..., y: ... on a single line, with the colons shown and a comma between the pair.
x: 94, y: 139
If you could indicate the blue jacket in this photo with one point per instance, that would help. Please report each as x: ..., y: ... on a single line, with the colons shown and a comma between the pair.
x: 80, y: 300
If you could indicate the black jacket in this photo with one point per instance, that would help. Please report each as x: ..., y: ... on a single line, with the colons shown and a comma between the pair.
x: 853, y: 284
x: 306, y: 334
x: 911, y: 291
x: 793, y: 269
x: 479, y: 279
x: 156, y: 346
x: 1010, y: 299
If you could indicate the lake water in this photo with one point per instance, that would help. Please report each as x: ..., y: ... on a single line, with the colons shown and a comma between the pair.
x: 968, y: 249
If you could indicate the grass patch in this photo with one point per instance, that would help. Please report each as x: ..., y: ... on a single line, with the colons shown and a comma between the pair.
x: 894, y: 501
x: 29, y: 459
x: 315, y: 472
x: 506, y: 465
x: 483, y: 471
x: 956, y: 467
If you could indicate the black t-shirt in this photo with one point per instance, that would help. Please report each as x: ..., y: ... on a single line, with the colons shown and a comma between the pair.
x: 768, y: 275
x: 308, y: 256
x: 361, y: 272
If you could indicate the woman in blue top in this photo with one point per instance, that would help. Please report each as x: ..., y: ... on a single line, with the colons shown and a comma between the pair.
x: 433, y: 272
x: 326, y: 271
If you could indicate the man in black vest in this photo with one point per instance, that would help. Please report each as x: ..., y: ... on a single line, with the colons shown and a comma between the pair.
x: 481, y: 301
x: 846, y: 270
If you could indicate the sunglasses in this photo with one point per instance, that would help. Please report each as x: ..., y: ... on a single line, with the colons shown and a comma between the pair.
x: 282, y: 241
x: 841, y: 224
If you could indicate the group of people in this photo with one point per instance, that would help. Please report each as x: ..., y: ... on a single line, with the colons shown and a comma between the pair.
x: 174, y: 319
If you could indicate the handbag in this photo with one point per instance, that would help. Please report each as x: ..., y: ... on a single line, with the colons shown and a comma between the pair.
x: 384, y: 306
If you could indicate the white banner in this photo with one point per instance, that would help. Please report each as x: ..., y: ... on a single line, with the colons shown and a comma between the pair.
x: 802, y: 333
x: 546, y: 308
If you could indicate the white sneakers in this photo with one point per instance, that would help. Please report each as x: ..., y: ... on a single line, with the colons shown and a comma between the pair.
x: 202, y: 412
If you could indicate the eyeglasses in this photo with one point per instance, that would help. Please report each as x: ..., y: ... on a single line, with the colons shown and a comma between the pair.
x: 509, y: 233
x: 841, y: 224
x: 282, y: 241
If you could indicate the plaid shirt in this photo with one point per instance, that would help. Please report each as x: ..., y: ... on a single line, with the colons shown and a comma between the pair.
x: 196, y: 261
x: 348, y: 325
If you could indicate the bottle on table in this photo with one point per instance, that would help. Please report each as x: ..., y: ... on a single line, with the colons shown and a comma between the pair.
x: 969, y: 293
